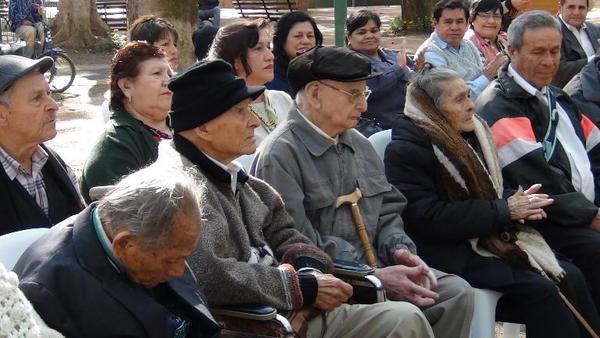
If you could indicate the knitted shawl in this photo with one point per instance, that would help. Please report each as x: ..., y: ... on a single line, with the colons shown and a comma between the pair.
x: 470, y: 175
x: 18, y: 319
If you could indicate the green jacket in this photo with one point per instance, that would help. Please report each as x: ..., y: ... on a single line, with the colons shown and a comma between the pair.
x: 124, y: 147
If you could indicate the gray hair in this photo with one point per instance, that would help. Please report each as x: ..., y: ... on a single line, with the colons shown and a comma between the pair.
x: 300, y: 99
x: 147, y: 202
x: 431, y: 80
x: 529, y: 20
x: 4, y: 98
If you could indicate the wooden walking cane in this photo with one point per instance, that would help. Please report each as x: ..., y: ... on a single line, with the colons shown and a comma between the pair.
x: 361, y: 230
x: 577, y: 315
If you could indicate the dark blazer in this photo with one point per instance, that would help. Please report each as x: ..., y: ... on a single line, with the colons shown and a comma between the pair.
x: 584, y: 89
x: 572, y: 55
x: 71, y: 284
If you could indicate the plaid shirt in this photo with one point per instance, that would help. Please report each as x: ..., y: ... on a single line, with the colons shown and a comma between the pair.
x: 32, y: 182
x: 19, y: 10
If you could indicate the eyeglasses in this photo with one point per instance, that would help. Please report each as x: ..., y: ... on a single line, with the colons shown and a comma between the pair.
x: 355, y: 97
x: 487, y: 15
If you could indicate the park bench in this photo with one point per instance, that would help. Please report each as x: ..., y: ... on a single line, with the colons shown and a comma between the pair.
x: 113, y: 13
x: 270, y: 9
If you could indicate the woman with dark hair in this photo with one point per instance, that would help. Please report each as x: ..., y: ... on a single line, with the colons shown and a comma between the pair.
x: 388, y: 91
x: 245, y: 45
x: 485, y: 21
x: 295, y: 33
x: 157, y: 32
x: 139, y: 102
x: 512, y: 9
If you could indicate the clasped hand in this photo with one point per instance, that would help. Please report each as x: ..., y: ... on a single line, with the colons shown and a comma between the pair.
x: 410, y: 280
x: 528, y: 204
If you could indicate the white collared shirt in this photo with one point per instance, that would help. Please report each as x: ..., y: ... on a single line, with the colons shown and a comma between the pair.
x: 232, y: 168
x: 581, y: 172
x: 318, y: 130
x: 583, y: 38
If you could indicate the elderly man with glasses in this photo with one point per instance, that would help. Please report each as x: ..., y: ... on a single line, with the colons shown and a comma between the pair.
x: 316, y: 157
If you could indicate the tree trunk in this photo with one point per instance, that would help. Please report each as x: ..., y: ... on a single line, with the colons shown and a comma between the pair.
x: 418, y: 12
x: 181, y: 13
x: 78, y: 24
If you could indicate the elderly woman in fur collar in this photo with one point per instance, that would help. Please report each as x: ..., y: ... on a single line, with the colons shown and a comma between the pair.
x: 442, y: 157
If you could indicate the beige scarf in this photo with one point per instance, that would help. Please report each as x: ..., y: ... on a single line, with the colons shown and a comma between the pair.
x: 471, y: 175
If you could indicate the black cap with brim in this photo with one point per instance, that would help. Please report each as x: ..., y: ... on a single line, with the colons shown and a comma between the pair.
x: 14, y: 67
x: 204, y: 91
x: 329, y: 63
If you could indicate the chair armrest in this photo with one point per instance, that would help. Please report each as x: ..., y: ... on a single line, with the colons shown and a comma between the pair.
x: 252, y: 312
x: 243, y: 320
x: 368, y: 289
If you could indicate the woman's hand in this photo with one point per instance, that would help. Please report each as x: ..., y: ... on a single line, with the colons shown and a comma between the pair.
x: 491, y: 69
x: 401, y: 56
x: 527, y: 205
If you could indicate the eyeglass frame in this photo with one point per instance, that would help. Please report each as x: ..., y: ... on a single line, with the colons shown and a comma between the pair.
x: 354, y: 97
x: 489, y: 14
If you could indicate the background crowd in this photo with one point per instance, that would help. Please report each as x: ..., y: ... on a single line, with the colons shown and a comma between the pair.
x: 248, y: 178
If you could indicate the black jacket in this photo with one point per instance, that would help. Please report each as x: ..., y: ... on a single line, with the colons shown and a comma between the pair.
x: 439, y: 227
x: 513, y: 116
x: 20, y: 211
x: 584, y: 89
x: 71, y: 284
x: 572, y: 55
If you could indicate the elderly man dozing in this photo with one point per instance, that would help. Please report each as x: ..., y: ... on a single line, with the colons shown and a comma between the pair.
x: 542, y: 137
x: 118, y: 268
x: 37, y: 188
x: 316, y: 158
x: 250, y: 252
x: 443, y: 159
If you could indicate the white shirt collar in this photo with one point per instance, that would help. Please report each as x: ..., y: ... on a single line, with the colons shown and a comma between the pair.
x: 523, y: 83
x: 572, y: 28
x: 232, y: 168
x: 318, y: 130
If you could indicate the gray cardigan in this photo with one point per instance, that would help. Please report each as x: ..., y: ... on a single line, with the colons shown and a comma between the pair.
x: 235, y: 223
x: 310, y: 173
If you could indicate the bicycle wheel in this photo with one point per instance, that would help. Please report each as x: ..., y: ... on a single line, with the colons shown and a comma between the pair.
x: 62, y: 74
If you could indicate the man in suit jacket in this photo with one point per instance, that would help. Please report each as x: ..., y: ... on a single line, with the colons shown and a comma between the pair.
x: 579, y: 40
x: 118, y: 269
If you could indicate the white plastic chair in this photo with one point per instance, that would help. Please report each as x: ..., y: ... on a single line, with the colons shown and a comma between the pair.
x: 380, y: 140
x: 12, y: 245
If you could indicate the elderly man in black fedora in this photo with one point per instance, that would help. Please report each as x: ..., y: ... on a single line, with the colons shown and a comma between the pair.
x: 316, y: 157
x: 250, y: 252
x: 37, y: 188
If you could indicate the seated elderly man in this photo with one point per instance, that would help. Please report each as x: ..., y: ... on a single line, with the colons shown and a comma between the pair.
x: 37, y: 188
x: 584, y: 88
x: 316, y: 158
x: 448, y: 48
x: 542, y: 137
x: 118, y: 268
x: 250, y: 252
x: 579, y: 40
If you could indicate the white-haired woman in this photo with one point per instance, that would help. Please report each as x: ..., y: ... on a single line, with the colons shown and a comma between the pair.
x: 443, y: 159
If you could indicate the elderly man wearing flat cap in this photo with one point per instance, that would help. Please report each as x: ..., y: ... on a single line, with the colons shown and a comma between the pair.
x: 37, y: 188
x: 250, y: 252
x: 317, y: 161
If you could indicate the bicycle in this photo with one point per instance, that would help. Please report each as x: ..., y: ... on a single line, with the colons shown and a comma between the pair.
x: 62, y: 73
